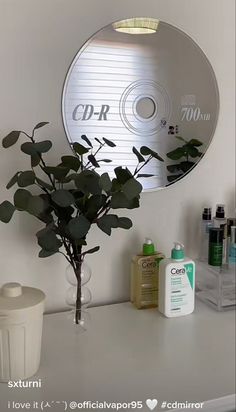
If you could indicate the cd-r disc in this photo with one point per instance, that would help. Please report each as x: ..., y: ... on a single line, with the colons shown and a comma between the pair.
x: 156, y: 89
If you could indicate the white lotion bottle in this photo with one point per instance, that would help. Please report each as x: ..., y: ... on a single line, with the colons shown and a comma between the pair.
x: 176, y: 284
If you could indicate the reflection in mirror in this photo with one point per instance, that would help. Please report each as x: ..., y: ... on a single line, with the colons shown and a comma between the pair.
x: 142, y: 82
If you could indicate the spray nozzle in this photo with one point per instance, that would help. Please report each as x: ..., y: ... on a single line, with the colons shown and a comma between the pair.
x: 177, y: 252
x: 220, y: 210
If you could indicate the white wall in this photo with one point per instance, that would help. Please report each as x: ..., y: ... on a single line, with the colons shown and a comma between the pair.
x: 38, y: 39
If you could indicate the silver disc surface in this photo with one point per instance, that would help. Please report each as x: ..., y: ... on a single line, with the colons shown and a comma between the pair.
x: 142, y: 90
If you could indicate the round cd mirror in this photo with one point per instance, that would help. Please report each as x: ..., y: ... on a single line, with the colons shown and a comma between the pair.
x: 143, y: 82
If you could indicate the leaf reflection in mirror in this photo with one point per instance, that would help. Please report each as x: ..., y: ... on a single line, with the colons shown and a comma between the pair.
x: 185, y: 153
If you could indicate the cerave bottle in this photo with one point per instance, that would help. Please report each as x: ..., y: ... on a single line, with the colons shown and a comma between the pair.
x: 176, y: 284
x: 144, y: 276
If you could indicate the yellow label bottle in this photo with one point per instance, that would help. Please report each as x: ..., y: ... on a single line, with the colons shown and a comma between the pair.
x: 144, y: 276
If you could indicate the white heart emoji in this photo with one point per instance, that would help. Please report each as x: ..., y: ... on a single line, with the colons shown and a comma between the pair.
x: 151, y: 403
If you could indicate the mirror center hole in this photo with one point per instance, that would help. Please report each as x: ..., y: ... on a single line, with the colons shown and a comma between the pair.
x: 146, y: 107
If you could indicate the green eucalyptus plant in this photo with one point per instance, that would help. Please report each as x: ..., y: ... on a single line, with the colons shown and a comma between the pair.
x: 72, y: 196
x: 186, y: 152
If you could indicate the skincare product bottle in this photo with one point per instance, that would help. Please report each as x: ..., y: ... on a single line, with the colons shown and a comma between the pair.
x: 144, y: 276
x: 176, y: 284
x: 220, y: 218
x: 221, y: 221
x: 232, y: 250
x: 231, y: 221
x: 205, y: 225
x: 215, y: 255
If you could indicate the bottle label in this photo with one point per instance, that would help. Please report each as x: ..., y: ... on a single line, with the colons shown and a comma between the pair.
x: 208, y: 226
x: 182, y: 288
x: 215, y: 254
x: 148, y: 287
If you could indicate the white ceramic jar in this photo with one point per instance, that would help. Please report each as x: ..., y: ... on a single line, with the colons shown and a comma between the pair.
x: 21, y: 320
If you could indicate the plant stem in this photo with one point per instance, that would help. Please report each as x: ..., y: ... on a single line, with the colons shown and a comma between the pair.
x: 78, y: 296
x: 144, y: 164
x: 79, y: 286
x: 41, y: 159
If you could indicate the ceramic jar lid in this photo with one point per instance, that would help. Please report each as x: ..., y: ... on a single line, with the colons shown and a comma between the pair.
x: 13, y: 297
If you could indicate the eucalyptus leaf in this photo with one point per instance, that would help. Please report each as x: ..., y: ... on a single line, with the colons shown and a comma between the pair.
x: 26, y: 178
x: 46, y: 253
x: 28, y: 148
x: 144, y: 150
x: 21, y: 199
x: 33, y: 149
x: 84, y: 137
x: 6, y: 211
x: 173, y: 168
x: 41, y: 124
x: 176, y: 154
x: 13, y: 181
x: 11, y: 139
x: 123, y: 175
x: 35, y: 206
x: 71, y: 177
x: 62, y: 197
x: 104, y: 160
x: 94, y: 204
x: 80, y: 149
x: 48, y: 241
x: 139, y: 156
x: 173, y: 177
x: 193, y: 151
x: 43, y: 147
x: 93, y: 160
x: 45, y: 230
x: 64, y: 214
x: 72, y: 162
x: 80, y: 242
x: 116, y: 186
x: 35, y: 160
x: 109, y: 142
x: 58, y: 172
x: 145, y: 175
x: 186, y: 166
x: 156, y: 156
x: 88, y: 182
x: 195, y: 142
x: 107, y: 222
x: 93, y: 250
x: 44, y: 184
x: 79, y: 227
x: 105, y: 182
x: 132, y: 188
x: 120, y: 201
x: 124, y: 223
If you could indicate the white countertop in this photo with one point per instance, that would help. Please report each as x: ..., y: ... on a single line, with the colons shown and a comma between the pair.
x: 129, y: 354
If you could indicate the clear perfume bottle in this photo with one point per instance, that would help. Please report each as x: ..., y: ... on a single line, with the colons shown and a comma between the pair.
x: 206, y: 224
x: 220, y: 221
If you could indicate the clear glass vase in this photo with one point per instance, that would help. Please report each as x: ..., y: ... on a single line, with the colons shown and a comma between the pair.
x: 80, y: 318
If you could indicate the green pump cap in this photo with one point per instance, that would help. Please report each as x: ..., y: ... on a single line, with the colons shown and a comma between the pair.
x: 177, y: 253
x: 148, y: 247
